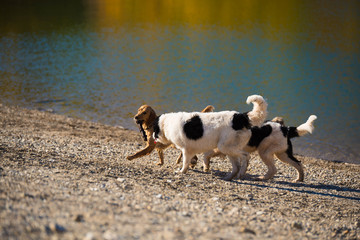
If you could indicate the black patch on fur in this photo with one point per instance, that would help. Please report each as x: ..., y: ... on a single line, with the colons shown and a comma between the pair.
x: 289, y: 151
x: 292, y: 132
x: 156, y: 127
x: 143, y: 132
x: 258, y: 134
x: 289, y: 132
x: 240, y: 121
x: 284, y: 131
x: 193, y: 128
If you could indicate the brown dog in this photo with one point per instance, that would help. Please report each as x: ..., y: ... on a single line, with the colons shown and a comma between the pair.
x: 145, y: 117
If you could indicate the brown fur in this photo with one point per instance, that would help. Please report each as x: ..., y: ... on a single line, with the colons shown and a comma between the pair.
x: 279, y: 120
x: 145, y: 117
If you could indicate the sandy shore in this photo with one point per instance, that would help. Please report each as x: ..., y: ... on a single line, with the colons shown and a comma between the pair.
x: 64, y: 178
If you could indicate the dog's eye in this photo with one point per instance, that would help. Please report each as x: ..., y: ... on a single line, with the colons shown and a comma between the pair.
x: 144, y: 113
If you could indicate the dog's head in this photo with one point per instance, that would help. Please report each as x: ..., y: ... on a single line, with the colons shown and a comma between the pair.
x: 145, y: 114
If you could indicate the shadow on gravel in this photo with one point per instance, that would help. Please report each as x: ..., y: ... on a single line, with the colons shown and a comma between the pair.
x: 311, y: 186
x: 294, y: 187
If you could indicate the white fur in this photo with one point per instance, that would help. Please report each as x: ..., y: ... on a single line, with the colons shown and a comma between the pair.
x: 307, y: 127
x: 259, y: 112
x: 274, y: 144
x: 218, y: 133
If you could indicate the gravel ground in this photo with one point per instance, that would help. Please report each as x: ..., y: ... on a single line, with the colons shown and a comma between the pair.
x: 64, y: 178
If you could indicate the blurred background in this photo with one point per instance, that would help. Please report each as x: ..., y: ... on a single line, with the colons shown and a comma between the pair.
x: 100, y: 60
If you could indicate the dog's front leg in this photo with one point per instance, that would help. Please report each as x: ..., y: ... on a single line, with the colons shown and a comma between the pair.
x: 147, y: 150
x: 193, y: 161
x: 186, y: 161
x: 235, y: 168
x: 178, y: 160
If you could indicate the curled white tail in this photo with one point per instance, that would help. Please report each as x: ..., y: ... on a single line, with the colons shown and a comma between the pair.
x: 259, y: 112
x: 307, y: 127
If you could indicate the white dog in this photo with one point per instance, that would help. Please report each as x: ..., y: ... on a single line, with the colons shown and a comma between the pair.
x: 273, y: 138
x: 228, y: 131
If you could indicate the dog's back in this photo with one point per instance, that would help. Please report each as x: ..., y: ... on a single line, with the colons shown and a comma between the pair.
x: 202, y: 129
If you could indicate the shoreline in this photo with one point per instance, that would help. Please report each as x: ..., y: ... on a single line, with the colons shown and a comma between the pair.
x: 68, y: 178
x: 307, y: 146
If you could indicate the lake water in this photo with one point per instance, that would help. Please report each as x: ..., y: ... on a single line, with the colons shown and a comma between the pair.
x: 100, y: 60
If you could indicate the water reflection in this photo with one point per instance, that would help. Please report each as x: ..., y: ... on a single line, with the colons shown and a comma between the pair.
x: 100, y: 60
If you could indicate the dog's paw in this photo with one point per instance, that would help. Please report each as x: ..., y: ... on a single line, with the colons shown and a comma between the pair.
x: 192, y: 166
x: 229, y: 177
x: 183, y: 171
x: 129, y: 157
x: 298, y: 181
x: 206, y: 167
x: 261, y: 178
x: 241, y: 177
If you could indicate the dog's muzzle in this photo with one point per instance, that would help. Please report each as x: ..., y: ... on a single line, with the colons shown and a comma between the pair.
x: 138, y: 121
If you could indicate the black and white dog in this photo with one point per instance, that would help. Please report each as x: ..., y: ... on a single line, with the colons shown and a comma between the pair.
x: 272, y: 138
x: 228, y: 131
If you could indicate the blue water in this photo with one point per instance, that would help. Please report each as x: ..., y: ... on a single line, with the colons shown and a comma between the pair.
x: 101, y: 60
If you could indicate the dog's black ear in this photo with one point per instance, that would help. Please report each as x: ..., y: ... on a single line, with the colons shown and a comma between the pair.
x: 156, y: 127
x: 143, y: 132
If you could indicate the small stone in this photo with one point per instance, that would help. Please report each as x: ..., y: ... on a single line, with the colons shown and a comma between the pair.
x: 297, y: 225
x: 233, y: 211
x: 247, y: 230
x: 89, y: 236
x: 215, y: 199
x: 186, y: 214
x: 55, y: 228
x: 79, y: 218
x: 159, y: 196
x: 120, y: 179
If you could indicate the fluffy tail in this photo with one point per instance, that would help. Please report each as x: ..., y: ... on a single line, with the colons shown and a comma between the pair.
x: 259, y: 112
x: 303, y: 129
x: 307, y: 127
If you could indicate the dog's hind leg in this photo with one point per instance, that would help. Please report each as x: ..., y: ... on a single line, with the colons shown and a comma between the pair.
x: 161, y: 156
x: 293, y: 162
x: 268, y: 158
x: 235, y: 168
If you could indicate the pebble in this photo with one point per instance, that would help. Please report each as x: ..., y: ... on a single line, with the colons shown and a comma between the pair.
x: 89, y: 236
x: 297, y: 225
x: 79, y: 218
x: 120, y: 179
x: 247, y: 230
x: 54, y: 228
